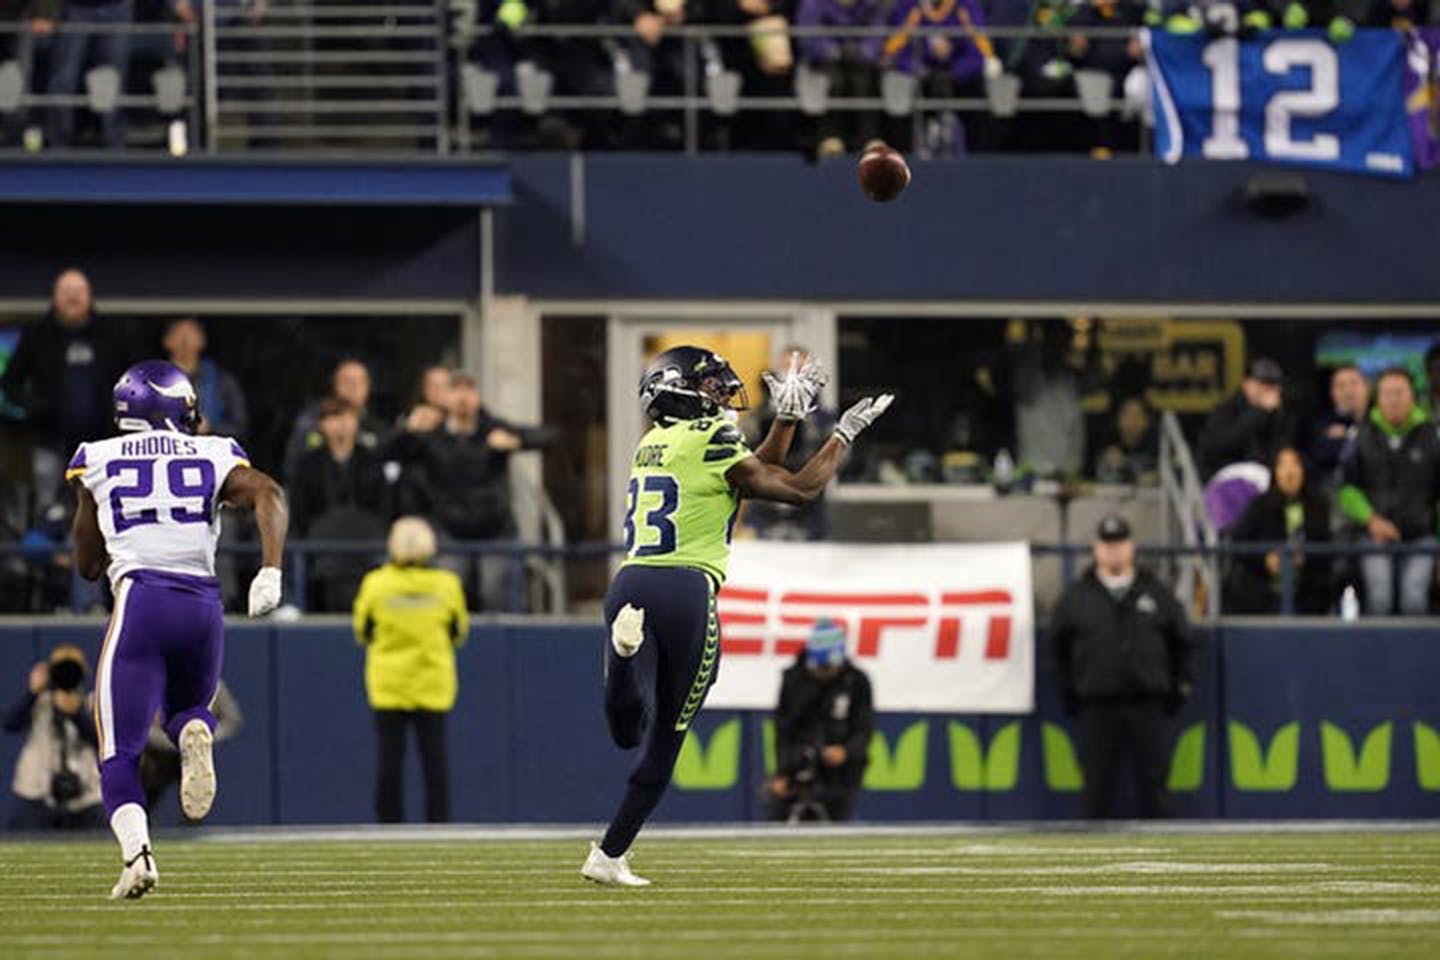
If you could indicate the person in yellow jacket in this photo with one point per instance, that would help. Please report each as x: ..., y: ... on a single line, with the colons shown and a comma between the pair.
x: 410, y: 617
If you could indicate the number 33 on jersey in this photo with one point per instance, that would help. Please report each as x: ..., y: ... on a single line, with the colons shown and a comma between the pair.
x: 1284, y: 97
x: 679, y: 508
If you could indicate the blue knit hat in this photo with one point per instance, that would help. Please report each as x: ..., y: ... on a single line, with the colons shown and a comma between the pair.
x: 826, y: 644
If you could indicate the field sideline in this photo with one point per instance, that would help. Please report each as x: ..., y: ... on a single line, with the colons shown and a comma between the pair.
x: 904, y: 894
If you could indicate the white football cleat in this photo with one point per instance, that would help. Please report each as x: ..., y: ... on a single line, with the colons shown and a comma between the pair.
x: 610, y: 871
x: 197, y: 770
x: 628, y: 631
x: 138, y: 878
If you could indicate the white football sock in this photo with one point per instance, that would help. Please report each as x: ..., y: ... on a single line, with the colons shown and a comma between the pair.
x: 132, y: 829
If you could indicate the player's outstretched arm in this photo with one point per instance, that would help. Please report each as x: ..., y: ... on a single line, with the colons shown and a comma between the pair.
x: 767, y: 481
x: 249, y: 488
x: 90, y: 557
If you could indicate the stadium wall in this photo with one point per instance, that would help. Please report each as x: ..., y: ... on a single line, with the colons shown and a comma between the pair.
x: 1036, y: 229
x: 1309, y: 720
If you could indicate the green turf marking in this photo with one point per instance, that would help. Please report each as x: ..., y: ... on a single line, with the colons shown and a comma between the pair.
x: 793, y: 894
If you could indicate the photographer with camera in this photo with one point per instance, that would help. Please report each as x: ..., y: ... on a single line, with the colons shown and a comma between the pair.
x: 57, y: 778
x: 823, y: 726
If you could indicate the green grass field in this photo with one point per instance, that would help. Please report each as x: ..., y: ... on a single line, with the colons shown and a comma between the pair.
x: 790, y: 895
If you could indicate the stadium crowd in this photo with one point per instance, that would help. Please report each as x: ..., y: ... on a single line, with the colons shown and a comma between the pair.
x: 45, y: 43
x: 348, y: 472
x: 1362, y: 468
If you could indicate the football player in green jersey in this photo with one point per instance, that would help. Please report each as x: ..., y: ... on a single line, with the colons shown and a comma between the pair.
x: 688, y: 477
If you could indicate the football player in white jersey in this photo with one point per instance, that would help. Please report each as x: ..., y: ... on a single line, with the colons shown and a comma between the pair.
x: 149, y: 517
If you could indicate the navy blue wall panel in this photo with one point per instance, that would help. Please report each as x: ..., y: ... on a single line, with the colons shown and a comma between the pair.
x: 1377, y: 689
x: 770, y: 226
x: 1286, y: 721
x: 1017, y: 228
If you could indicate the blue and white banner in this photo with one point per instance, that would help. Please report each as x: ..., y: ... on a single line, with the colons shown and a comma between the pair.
x: 1283, y: 97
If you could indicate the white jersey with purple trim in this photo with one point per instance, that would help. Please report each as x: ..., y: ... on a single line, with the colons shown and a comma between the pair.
x: 156, y: 495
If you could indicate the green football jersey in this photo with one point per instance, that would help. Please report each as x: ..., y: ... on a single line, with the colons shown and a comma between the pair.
x: 679, y: 508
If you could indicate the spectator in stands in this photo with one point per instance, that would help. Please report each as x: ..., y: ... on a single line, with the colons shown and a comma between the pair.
x: 946, y: 65
x: 1250, y: 426
x: 410, y: 617
x: 1432, y: 379
x: 1124, y: 661
x: 57, y: 777
x: 1042, y: 62
x: 1048, y: 390
x: 235, y: 18
x: 38, y: 18
x: 350, y: 383
x: 468, y: 468
x: 1402, y: 15
x: 78, y: 45
x: 222, y: 402
x: 823, y: 726
x: 436, y: 383
x: 160, y: 761
x: 660, y: 57
x: 847, y: 63
x: 61, y: 375
x: 407, y: 455
x: 1333, y: 432
x: 1332, y: 16
x: 472, y: 454
x: 764, y: 59
x: 779, y: 521
x: 1293, y: 511
x: 1392, y: 483
x: 1112, y: 55
x: 1132, y: 456
x: 338, y: 493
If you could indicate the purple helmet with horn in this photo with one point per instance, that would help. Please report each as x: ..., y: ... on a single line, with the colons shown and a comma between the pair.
x: 155, y: 395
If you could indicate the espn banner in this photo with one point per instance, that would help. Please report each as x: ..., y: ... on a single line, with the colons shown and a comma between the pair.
x: 939, y: 628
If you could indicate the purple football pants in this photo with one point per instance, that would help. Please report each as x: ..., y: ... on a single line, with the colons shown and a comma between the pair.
x: 162, y: 654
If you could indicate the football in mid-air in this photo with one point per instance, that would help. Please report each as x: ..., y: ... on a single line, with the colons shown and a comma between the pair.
x: 883, y: 172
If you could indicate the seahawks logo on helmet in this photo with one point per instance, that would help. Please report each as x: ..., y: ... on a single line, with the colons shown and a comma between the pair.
x: 688, y: 383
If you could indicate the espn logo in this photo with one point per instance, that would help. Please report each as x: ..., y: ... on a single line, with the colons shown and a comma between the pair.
x: 764, y: 622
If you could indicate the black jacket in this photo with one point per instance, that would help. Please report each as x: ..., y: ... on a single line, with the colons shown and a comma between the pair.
x: 1249, y: 586
x: 321, y: 486
x: 1237, y: 432
x: 469, y: 482
x: 1398, y: 474
x: 1140, y: 645
x: 62, y: 377
x: 1326, y: 452
x: 812, y: 714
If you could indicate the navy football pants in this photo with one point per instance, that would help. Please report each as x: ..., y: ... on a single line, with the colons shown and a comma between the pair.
x: 651, y: 698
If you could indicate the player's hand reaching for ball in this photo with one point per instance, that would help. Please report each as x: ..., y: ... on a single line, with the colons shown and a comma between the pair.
x: 798, y: 395
x: 265, y: 591
x: 860, y: 416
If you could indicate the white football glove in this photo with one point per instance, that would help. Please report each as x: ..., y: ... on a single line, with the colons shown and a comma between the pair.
x: 860, y: 416
x: 798, y: 395
x: 265, y: 591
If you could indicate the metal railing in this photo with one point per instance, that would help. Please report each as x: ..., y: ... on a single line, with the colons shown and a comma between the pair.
x: 520, y: 560
x: 172, y: 90
x: 1184, y: 521
x: 401, y: 78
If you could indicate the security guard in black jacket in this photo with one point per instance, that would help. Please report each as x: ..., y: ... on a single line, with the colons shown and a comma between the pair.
x: 823, y: 726
x: 1124, y: 658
